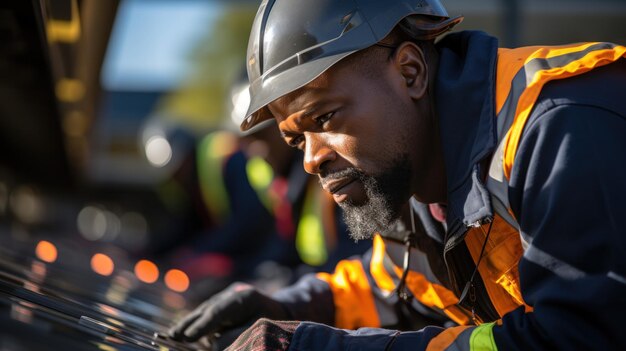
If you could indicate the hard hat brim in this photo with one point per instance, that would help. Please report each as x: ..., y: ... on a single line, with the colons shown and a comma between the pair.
x: 264, y: 91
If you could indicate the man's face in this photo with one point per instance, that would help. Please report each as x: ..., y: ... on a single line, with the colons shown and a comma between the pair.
x: 362, y: 134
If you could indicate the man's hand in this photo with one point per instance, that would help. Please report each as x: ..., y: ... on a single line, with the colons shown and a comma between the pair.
x: 236, y: 307
x: 266, y: 335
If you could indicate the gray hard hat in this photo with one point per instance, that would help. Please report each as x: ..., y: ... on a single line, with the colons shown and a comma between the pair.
x: 294, y: 41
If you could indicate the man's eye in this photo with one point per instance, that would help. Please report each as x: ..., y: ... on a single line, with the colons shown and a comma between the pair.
x: 297, y: 141
x: 324, y: 118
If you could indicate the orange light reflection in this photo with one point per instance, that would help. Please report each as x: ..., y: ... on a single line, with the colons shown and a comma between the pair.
x: 102, y: 264
x: 177, y: 280
x: 46, y: 251
x: 146, y: 271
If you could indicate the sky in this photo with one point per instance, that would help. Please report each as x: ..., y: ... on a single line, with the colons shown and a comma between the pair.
x: 151, y: 42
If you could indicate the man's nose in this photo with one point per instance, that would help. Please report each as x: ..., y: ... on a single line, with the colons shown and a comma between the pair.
x: 316, y: 153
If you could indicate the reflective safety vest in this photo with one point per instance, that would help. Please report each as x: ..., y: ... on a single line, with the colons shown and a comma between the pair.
x: 521, y: 75
x: 317, y: 229
x: 213, y: 150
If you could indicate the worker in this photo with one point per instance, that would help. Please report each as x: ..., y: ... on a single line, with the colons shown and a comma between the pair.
x: 500, y: 172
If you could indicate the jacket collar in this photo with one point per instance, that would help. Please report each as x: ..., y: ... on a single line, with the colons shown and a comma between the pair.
x: 464, y: 98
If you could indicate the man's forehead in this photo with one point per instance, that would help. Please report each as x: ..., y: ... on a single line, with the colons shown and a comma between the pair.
x: 315, y: 91
x: 298, y: 100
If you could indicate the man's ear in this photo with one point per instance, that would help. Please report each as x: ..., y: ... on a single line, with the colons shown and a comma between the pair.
x: 411, y: 63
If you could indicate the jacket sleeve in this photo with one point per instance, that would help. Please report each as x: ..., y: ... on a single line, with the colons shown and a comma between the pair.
x: 313, y: 336
x: 310, y: 299
x: 568, y: 188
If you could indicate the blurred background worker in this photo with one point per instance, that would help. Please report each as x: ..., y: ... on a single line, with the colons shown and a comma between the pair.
x: 245, y: 209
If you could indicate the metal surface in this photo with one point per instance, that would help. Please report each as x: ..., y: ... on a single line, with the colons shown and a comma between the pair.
x: 62, y: 305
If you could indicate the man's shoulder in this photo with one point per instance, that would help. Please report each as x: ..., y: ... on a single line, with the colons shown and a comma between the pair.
x: 601, y: 88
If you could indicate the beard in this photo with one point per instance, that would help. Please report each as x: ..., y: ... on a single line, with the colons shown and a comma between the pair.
x: 387, y: 192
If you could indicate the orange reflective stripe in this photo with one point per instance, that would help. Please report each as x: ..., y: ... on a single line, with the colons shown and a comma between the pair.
x: 458, y: 315
x: 509, y: 63
x: 498, y: 267
x: 354, y: 303
x: 446, y: 338
x: 567, y: 63
x: 377, y: 268
x: 429, y: 294
x: 434, y: 295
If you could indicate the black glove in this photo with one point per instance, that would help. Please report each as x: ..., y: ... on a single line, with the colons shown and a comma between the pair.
x: 266, y: 335
x: 237, y: 307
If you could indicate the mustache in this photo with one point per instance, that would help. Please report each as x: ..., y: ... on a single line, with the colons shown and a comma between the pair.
x: 350, y: 172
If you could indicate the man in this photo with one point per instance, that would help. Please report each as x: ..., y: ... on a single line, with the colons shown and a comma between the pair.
x: 512, y: 159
